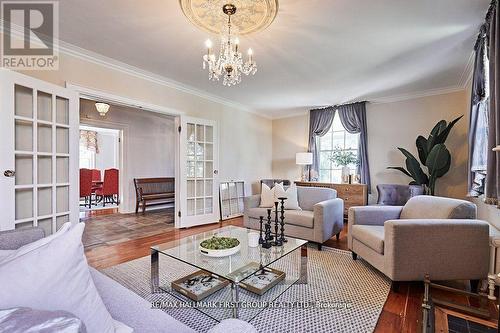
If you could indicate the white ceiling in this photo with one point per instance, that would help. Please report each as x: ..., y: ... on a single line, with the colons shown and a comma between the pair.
x: 316, y: 52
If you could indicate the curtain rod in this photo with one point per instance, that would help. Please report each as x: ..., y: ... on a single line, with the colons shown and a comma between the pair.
x: 337, y: 105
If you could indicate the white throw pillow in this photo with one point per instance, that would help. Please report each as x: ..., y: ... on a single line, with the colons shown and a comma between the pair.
x: 54, y: 275
x: 267, y: 196
x: 291, y: 202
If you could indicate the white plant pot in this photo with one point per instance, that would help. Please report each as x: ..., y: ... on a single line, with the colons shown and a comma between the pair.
x: 346, y: 171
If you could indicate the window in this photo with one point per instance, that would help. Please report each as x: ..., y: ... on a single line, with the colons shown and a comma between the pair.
x: 87, y: 158
x: 337, y: 137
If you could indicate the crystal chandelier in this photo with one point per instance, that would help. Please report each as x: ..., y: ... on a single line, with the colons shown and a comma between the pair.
x: 229, y: 64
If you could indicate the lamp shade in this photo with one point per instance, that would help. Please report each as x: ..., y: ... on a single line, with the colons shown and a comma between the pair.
x: 102, y: 108
x: 303, y: 158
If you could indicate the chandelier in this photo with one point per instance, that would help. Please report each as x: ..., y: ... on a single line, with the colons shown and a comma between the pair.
x: 229, y: 63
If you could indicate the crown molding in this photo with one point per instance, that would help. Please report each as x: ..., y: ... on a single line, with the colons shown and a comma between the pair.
x: 393, y: 99
x: 113, y: 64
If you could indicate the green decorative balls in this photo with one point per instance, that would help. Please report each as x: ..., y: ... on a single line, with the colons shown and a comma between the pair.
x: 220, y: 243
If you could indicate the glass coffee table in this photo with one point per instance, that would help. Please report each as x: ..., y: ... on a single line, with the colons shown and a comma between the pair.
x: 235, y: 299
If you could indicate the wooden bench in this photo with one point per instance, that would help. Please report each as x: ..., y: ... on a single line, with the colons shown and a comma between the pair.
x: 153, y: 191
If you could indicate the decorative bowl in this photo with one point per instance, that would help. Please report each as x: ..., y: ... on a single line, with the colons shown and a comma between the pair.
x: 220, y: 252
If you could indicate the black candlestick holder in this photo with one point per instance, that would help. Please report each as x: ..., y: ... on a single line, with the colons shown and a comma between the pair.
x: 282, y: 223
x: 261, y: 239
x: 268, y: 237
x: 277, y: 241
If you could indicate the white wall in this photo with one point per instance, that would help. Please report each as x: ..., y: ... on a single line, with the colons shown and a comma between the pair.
x: 149, y: 143
x: 107, y: 157
x: 389, y: 125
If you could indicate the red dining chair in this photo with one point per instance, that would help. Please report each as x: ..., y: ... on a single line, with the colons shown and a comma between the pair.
x: 86, y: 186
x: 96, y: 180
x: 109, y: 191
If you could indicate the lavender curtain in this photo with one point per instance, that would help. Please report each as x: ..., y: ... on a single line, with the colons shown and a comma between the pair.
x: 320, y: 121
x: 493, y: 166
x: 353, y: 118
x: 478, y: 124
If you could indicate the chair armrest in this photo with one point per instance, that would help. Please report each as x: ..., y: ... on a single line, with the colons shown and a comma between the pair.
x: 252, y: 201
x: 446, y: 249
x: 373, y: 215
x: 14, y: 239
x: 330, y: 215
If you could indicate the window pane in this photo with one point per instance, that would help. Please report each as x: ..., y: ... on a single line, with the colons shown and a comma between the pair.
x: 338, y: 140
x: 324, y: 161
x: 324, y: 176
x: 351, y: 141
x: 337, y: 125
x: 326, y: 141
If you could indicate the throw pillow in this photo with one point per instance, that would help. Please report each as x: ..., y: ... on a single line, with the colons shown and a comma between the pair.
x: 291, y: 202
x: 27, y: 320
x: 53, y: 276
x: 267, y: 196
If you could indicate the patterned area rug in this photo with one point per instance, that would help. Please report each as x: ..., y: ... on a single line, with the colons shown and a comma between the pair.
x: 342, y: 295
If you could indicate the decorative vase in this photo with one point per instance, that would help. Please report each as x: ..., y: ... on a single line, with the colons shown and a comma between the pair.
x: 346, y: 171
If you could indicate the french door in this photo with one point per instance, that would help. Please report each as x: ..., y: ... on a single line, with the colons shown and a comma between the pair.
x: 198, y: 170
x: 39, y: 153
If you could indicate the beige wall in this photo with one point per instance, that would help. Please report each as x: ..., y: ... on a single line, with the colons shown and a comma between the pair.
x: 389, y: 125
x: 245, y: 149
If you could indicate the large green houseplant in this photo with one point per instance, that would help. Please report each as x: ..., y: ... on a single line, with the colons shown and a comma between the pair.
x: 433, y: 154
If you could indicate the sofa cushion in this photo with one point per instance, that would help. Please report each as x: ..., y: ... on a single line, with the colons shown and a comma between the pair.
x: 267, y: 197
x: 430, y: 207
x: 291, y: 202
x: 52, y: 274
x: 301, y: 218
x: 309, y: 196
x: 370, y: 235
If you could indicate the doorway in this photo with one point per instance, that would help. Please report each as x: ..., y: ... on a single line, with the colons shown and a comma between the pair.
x: 100, y: 152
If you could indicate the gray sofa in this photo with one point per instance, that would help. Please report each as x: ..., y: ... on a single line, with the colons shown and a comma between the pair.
x: 429, y: 235
x: 123, y: 304
x: 321, y: 217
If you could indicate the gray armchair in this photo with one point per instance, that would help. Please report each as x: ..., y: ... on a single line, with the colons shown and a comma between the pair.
x: 321, y: 217
x: 396, y: 194
x: 428, y: 235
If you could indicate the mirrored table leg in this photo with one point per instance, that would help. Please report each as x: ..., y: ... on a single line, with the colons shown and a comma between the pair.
x: 303, y: 264
x: 155, y: 266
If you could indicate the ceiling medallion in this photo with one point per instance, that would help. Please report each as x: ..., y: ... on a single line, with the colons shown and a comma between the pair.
x: 252, y: 15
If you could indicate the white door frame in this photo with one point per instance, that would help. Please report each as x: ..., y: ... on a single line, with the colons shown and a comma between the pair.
x: 124, y: 187
x: 96, y: 94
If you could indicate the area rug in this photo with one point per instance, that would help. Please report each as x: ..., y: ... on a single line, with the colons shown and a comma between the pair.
x: 342, y: 295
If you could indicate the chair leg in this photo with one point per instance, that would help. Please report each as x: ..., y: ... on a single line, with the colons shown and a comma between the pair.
x: 338, y: 236
x: 320, y: 246
x: 395, y: 286
x: 354, y: 255
x: 474, y: 284
x: 137, y: 207
x: 144, y: 207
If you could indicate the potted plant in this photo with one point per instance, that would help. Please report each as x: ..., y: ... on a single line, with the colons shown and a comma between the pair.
x: 433, y: 155
x: 344, y: 158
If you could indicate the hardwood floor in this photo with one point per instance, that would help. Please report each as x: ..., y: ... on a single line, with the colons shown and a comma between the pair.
x: 401, y: 313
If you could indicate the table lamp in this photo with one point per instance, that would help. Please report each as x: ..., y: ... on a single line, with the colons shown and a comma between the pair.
x: 304, y: 159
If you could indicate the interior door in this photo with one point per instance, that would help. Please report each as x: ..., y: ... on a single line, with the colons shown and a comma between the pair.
x: 39, y: 153
x: 198, y: 159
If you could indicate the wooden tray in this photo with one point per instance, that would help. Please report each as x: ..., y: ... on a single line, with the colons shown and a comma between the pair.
x: 260, y: 286
x: 200, y: 289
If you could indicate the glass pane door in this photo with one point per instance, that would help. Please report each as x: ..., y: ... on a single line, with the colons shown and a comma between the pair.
x: 199, y: 172
x: 36, y: 177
